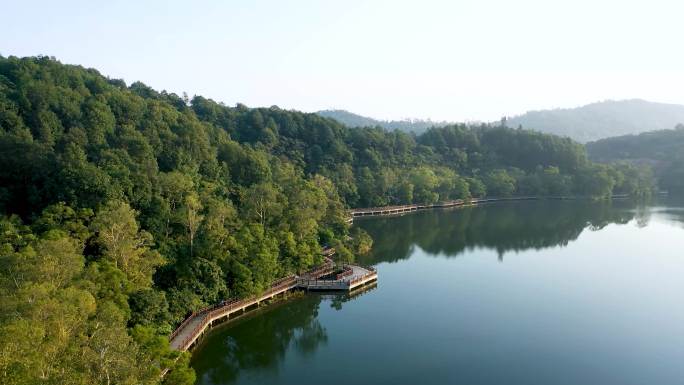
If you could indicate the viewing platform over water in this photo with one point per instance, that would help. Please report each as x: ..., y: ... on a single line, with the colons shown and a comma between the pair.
x: 357, y: 276
x: 321, y: 278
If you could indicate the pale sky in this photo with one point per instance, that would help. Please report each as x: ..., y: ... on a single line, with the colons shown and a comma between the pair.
x: 444, y: 60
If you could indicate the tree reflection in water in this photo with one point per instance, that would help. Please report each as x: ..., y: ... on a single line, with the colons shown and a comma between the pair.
x: 260, y: 341
x: 253, y: 349
x: 511, y: 226
x: 337, y: 300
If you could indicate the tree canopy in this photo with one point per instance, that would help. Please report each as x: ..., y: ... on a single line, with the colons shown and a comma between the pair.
x: 661, y: 150
x: 125, y: 209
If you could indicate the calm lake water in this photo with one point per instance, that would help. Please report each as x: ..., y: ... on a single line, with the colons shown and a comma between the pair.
x: 508, y: 293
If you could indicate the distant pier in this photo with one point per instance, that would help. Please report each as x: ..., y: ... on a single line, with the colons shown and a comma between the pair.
x: 392, y: 210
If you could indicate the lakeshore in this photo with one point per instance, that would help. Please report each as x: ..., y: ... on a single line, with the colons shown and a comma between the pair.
x: 352, y: 277
x: 198, y: 323
x: 401, y: 209
x: 476, y: 296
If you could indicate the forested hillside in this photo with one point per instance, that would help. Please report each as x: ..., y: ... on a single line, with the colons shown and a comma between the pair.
x: 349, y: 119
x: 126, y: 208
x: 602, y: 120
x: 663, y: 150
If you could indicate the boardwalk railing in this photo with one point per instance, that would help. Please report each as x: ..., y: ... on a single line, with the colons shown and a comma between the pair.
x: 325, y: 268
x: 322, y: 284
x: 423, y: 206
x: 195, y: 332
x: 403, y: 208
x: 341, y: 281
x: 347, y: 271
x: 371, y: 272
x: 388, y: 210
x: 183, y: 324
x: 205, y: 315
x: 232, y: 305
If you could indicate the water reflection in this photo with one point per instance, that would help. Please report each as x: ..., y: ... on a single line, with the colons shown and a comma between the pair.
x: 260, y: 342
x: 338, y: 300
x: 476, y: 335
x: 504, y: 227
x: 670, y: 209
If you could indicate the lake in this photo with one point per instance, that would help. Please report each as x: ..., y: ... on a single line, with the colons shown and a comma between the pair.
x: 540, y: 292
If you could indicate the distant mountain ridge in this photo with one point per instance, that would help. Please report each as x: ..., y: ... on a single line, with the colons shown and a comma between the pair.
x: 351, y: 119
x: 584, y: 124
x: 603, y: 119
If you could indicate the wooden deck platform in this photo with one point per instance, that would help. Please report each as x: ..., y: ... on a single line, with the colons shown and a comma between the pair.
x: 195, y: 325
x: 393, y: 210
x: 359, y: 277
x: 389, y: 210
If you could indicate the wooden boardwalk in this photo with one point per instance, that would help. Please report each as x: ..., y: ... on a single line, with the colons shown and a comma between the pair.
x: 388, y: 210
x: 359, y: 276
x: 195, y: 325
x: 392, y: 210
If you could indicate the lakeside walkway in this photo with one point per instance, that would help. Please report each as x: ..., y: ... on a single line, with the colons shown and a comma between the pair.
x: 392, y: 210
x: 195, y: 325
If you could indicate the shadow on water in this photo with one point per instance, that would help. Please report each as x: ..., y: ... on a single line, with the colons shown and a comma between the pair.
x: 265, y: 346
x: 503, y: 227
x: 337, y: 300
x: 260, y: 341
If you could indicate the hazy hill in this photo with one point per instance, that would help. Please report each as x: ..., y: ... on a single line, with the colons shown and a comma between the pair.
x: 584, y: 124
x: 123, y: 208
x: 407, y: 125
x: 602, y: 120
x: 664, y: 150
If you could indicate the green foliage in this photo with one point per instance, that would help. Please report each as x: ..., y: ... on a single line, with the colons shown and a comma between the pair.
x: 361, y: 242
x: 595, y: 181
x: 57, y: 327
x: 180, y: 373
x: 476, y: 187
x: 499, y: 183
x: 122, y: 243
x: 664, y: 150
x: 125, y: 209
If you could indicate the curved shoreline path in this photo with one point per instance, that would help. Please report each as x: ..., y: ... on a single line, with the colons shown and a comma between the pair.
x: 392, y: 210
x: 195, y: 325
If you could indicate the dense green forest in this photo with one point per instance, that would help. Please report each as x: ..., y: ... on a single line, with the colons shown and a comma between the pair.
x: 662, y: 150
x: 602, y: 120
x: 125, y: 208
